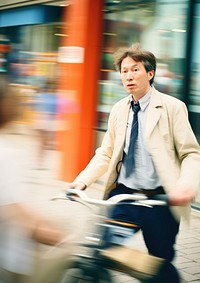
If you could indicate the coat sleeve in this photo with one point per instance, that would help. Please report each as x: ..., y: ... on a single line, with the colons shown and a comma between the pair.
x: 187, y: 148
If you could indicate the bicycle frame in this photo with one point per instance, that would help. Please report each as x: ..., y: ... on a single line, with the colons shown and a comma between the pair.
x: 100, y: 257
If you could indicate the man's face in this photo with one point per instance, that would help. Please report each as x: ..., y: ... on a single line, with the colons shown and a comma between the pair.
x: 134, y: 77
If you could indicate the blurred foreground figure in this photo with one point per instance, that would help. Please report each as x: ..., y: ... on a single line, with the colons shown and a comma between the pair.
x: 21, y: 227
x: 149, y: 148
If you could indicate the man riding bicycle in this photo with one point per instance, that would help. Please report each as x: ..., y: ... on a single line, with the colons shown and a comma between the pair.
x: 164, y: 156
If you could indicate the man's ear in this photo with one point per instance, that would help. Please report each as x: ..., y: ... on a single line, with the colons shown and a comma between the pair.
x: 151, y: 74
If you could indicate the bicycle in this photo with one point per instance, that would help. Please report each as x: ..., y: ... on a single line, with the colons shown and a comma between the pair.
x: 99, y: 259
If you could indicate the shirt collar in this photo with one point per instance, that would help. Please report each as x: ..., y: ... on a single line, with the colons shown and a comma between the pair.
x: 144, y: 101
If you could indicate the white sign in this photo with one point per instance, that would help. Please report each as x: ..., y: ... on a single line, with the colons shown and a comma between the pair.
x: 70, y: 54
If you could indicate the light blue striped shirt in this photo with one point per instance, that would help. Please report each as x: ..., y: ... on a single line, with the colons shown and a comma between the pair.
x: 144, y: 175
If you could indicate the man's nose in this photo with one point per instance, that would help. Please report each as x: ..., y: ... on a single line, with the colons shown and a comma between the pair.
x: 129, y: 76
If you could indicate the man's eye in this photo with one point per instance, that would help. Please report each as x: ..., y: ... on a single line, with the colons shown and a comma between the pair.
x: 135, y: 70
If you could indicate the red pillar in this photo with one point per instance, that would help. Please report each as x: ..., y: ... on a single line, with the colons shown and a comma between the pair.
x: 79, y: 57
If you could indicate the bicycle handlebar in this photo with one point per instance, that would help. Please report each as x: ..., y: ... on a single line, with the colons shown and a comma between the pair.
x: 138, y: 199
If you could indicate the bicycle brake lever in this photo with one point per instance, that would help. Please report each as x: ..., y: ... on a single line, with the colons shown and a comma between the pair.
x: 71, y: 196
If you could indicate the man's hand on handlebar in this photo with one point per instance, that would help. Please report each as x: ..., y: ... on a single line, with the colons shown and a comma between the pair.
x: 76, y: 185
x: 181, y: 196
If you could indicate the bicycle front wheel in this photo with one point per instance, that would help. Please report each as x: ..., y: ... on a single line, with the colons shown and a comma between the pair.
x: 83, y: 272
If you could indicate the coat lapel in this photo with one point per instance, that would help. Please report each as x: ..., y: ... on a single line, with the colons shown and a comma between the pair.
x: 122, y: 120
x: 154, y: 113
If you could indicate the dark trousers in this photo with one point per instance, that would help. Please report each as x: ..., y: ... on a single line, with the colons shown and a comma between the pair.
x: 159, y: 229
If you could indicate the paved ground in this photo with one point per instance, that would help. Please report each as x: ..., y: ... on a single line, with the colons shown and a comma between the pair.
x: 43, y: 184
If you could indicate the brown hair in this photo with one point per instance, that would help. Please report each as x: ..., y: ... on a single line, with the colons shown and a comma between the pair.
x: 8, y: 101
x: 137, y: 54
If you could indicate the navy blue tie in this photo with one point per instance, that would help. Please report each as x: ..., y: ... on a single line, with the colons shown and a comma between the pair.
x: 129, y: 160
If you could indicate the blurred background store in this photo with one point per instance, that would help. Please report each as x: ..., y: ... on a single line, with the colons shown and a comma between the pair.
x: 66, y: 41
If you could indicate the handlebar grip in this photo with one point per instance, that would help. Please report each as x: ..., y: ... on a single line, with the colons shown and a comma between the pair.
x: 161, y: 197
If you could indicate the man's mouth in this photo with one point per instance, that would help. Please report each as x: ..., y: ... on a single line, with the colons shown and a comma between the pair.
x: 130, y: 85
